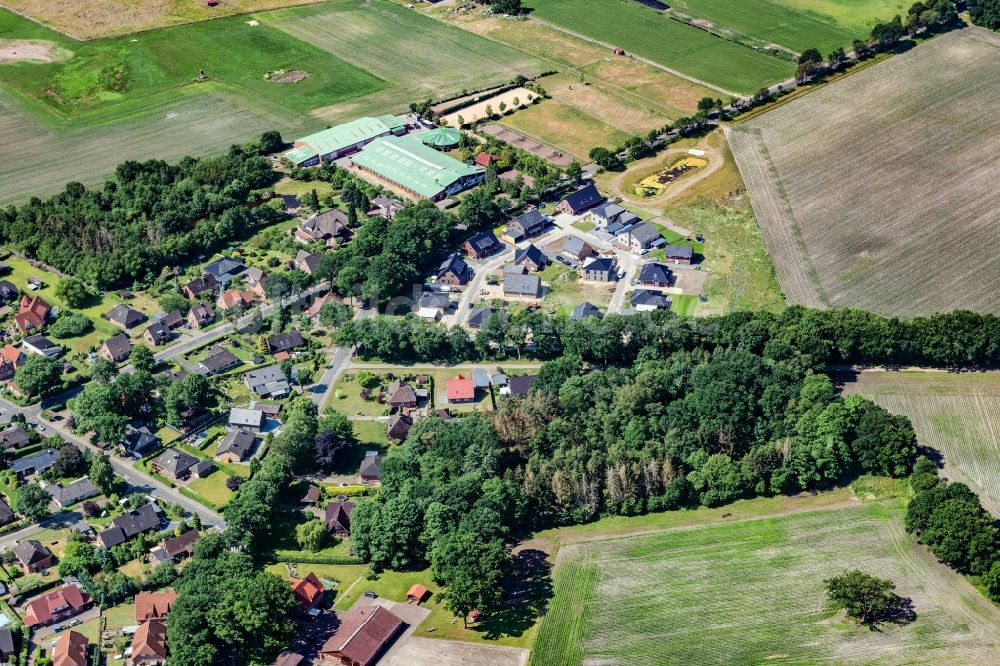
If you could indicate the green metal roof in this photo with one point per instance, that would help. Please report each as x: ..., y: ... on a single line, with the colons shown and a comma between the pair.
x: 413, y: 165
x: 339, y: 137
x: 442, y: 136
x: 300, y: 154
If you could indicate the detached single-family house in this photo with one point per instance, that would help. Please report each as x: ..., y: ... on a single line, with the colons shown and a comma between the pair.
x: 522, y: 285
x: 601, y: 269
x: 32, y: 556
x: 644, y: 300
x: 250, y: 419
x: 398, y: 427
x: 8, y: 292
x: 39, y: 345
x: 308, y: 591
x: 370, y: 471
x: 71, y: 650
x: 157, y: 334
x: 285, y: 342
x: 225, y: 269
x: 140, y: 440
x: 219, y: 359
x: 460, y: 389
x: 679, y: 254
x: 479, y: 317
x: 14, y: 439
x: 200, y: 315
x: 527, y: 225
x: 116, y: 349
x: 267, y: 382
x: 385, y: 207
x: 655, y: 274
x: 364, y: 634
x: 520, y: 386
x: 574, y: 247
x: 532, y: 258
x: 638, y: 237
x: 338, y: 518
x: 71, y: 493
x: 34, y: 313
x: 234, y: 298
x: 60, y: 604
x: 587, y: 309
x: 608, y: 214
x: 583, y: 199
x: 144, y: 519
x: 317, y: 305
x: 173, y: 464
x: 481, y: 245
x: 328, y: 227
x: 179, y: 547
x: 432, y: 305
x: 198, y: 286
x: 149, y: 644
x: 401, y: 395
x: 307, y: 262
x: 172, y: 319
x: 236, y: 445
x: 154, y: 605
x: 124, y: 317
x: 454, y: 272
x: 34, y: 464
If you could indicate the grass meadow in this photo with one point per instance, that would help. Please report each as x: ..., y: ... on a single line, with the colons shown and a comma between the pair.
x: 653, y: 35
x: 417, y: 56
x: 793, y: 25
x: 751, y: 591
x: 957, y: 415
x: 878, y: 191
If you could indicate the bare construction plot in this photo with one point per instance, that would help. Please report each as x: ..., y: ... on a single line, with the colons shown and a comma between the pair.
x: 880, y: 190
x: 528, y: 144
x: 955, y: 414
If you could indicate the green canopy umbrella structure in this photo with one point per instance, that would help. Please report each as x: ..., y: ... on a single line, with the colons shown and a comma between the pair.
x: 441, y: 137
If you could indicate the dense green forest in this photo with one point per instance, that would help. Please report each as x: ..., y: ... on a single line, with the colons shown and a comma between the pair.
x: 985, y: 13
x: 147, y: 216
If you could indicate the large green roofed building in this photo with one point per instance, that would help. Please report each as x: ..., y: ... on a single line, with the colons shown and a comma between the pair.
x: 341, y: 140
x: 421, y: 171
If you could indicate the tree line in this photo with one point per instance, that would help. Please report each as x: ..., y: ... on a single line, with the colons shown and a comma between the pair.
x: 811, y: 338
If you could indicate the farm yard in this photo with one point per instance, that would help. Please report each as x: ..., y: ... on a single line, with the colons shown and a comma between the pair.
x: 415, y: 55
x: 955, y: 414
x: 650, y: 34
x: 830, y: 175
x: 751, y: 591
x: 87, y: 19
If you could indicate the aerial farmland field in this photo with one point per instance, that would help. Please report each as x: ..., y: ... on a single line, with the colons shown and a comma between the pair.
x: 418, y: 56
x: 751, y: 592
x: 879, y: 190
x: 654, y: 35
x: 955, y: 414
x: 794, y: 27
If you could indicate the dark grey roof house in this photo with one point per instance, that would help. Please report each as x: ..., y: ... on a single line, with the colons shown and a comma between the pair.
x: 218, y: 360
x: 285, y: 342
x: 579, y: 201
x: 479, y: 317
x: 224, y: 269
x: 587, y: 309
x: 531, y: 257
x: 14, y: 438
x: 144, y: 519
x: 655, y: 274
x: 74, y: 492
x: 481, y: 245
x: 454, y: 271
x: 611, y: 213
x: 601, y: 269
x: 529, y: 224
x: 34, y: 464
x: 124, y: 316
x: 515, y: 284
x: 644, y: 300
x: 237, y: 444
x: 520, y: 386
x: 174, y: 463
x: 139, y: 441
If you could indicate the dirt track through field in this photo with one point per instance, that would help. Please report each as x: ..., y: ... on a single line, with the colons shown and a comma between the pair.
x: 879, y: 190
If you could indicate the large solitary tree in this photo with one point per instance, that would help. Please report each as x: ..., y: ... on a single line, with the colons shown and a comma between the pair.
x: 866, y: 598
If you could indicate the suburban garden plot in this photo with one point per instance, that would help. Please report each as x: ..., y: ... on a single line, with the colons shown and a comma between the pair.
x: 955, y: 414
x: 878, y: 191
x: 752, y: 592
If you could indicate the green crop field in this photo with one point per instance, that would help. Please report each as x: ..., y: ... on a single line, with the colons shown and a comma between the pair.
x: 794, y: 27
x: 116, y: 77
x: 860, y: 14
x: 955, y: 414
x: 654, y: 35
x: 419, y: 56
x: 751, y: 592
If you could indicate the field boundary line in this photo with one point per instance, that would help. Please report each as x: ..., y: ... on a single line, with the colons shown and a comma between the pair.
x: 640, y: 58
x: 800, y: 276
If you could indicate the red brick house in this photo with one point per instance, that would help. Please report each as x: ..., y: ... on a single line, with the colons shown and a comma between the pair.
x: 33, y: 315
x: 32, y: 556
x: 362, y: 637
x: 60, y: 604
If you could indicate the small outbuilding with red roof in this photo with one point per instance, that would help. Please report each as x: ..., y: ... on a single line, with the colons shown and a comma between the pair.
x: 309, y: 591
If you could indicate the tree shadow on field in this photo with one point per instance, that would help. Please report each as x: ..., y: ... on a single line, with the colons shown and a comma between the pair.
x: 528, y: 591
x: 905, y: 613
